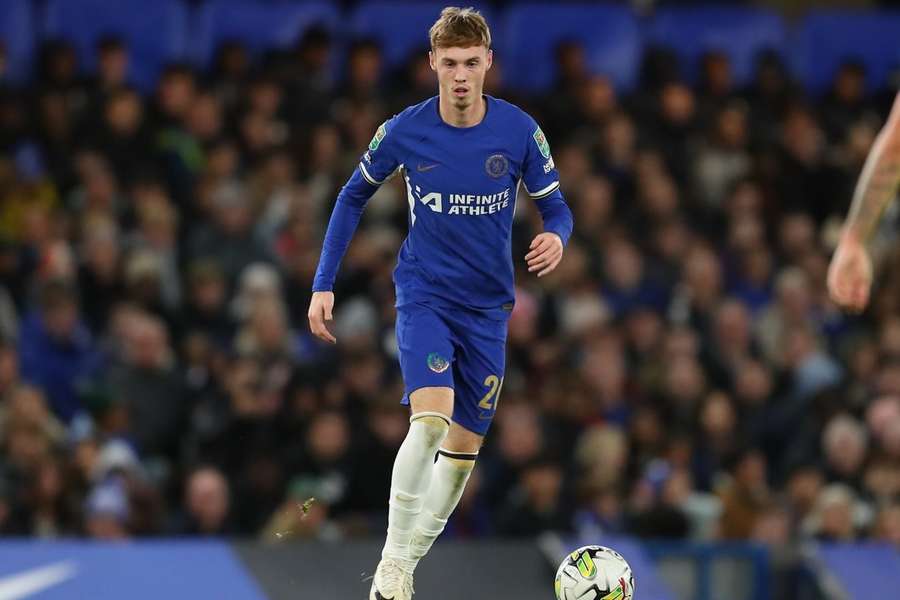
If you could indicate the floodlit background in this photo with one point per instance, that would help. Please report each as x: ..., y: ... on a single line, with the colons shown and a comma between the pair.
x: 680, y: 388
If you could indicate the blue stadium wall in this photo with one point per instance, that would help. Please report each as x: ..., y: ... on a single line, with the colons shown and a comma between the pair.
x: 525, y: 34
x: 190, y: 570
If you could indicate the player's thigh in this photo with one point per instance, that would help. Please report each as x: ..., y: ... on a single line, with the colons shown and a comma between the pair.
x: 462, y: 440
x: 426, y: 352
x: 478, y: 372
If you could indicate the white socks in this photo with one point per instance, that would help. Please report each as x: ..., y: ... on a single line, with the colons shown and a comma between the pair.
x: 410, y: 481
x: 451, y: 472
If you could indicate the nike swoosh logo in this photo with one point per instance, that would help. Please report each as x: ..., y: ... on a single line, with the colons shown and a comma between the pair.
x: 421, y: 169
x: 33, y: 581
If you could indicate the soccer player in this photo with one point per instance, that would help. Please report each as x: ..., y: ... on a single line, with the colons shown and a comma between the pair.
x: 462, y: 156
x: 850, y: 272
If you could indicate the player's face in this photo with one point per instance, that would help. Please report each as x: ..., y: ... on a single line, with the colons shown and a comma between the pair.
x: 461, y: 72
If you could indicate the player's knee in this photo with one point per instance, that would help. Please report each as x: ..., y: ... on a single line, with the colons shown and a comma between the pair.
x: 462, y: 441
x: 461, y: 465
x: 434, y: 428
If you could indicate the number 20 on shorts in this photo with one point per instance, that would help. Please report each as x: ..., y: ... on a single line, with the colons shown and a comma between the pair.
x: 490, y: 399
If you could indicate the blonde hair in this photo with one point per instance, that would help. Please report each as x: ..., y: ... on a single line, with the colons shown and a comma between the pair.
x: 459, y: 27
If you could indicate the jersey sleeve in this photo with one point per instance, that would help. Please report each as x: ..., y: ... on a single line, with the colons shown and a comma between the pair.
x: 377, y: 164
x: 541, y: 180
x: 380, y: 159
x: 539, y: 172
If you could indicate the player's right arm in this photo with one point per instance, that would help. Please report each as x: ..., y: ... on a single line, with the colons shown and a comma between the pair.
x: 376, y: 165
x: 850, y: 272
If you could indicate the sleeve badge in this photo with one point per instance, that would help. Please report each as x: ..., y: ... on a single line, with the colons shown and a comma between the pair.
x: 379, y: 135
x: 541, y: 140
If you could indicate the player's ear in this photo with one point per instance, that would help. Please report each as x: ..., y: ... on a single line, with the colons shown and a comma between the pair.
x: 490, y: 58
x: 431, y: 59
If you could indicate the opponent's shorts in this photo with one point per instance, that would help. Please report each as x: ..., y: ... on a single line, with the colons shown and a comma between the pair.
x: 455, y: 348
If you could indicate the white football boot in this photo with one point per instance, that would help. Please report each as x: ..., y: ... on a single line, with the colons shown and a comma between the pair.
x: 391, y: 582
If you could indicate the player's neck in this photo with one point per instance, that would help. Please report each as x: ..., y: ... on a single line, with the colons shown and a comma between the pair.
x: 467, y: 117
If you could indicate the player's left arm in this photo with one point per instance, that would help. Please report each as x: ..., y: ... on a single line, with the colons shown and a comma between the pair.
x: 541, y: 181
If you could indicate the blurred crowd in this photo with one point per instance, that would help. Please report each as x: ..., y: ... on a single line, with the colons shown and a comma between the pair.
x: 681, y: 375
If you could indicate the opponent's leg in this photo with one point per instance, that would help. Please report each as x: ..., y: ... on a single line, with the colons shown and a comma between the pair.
x: 455, y: 462
x: 410, y: 481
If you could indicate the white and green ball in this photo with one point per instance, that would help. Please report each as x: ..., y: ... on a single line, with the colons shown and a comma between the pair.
x: 594, y: 573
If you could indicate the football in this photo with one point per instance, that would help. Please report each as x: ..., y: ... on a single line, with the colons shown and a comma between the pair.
x: 594, y: 573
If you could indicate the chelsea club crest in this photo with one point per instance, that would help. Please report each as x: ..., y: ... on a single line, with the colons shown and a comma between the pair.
x: 437, y: 363
x: 496, y: 166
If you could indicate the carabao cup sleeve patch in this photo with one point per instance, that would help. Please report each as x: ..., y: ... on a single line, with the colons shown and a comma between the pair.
x: 379, y: 135
x: 541, y: 140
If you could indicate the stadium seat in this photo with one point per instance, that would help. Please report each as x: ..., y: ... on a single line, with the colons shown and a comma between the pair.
x: 529, y: 33
x: 16, y: 35
x: 827, y: 38
x: 741, y: 33
x: 157, y: 37
x: 259, y: 25
x: 400, y: 27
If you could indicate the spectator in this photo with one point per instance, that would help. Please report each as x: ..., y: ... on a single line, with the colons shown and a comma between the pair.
x: 156, y: 236
x: 723, y: 159
x: 123, y: 137
x: 803, y: 488
x: 99, y: 275
x: 837, y: 515
x: 717, y: 439
x: 206, y: 311
x: 26, y: 405
x: 314, y: 53
x: 519, y: 442
x: 745, y: 499
x: 700, y: 288
x: 655, y: 504
x: 536, y: 503
x: 51, y: 516
x: 627, y: 285
x: 107, y: 512
x: 230, y: 239
x: 113, y: 61
x: 57, y: 350
x: 716, y: 81
x: 207, y: 504
x: 732, y: 343
x: 676, y: 121
x: 887, y: 525
x: 602, y: 456
x: 845, y: 103
x: 385, y: 429
x: 844, y: 443
x: 364, y: 68
x: 150, y: 389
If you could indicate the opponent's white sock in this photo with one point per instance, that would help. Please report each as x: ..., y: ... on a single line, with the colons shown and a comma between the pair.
x: 451, y: 472
x: 410, y: 481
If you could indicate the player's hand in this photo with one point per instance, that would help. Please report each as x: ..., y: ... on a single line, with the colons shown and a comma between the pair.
x: 320, y: 311
x: 546, y: 252
x: 850, y: 274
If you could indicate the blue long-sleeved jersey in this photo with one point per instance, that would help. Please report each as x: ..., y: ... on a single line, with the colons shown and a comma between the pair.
x: 461, y: 185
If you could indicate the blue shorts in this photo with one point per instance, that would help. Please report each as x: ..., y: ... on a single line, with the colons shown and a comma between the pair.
x: 455, y: 348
